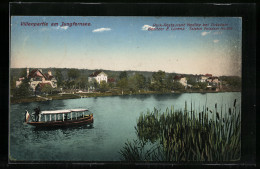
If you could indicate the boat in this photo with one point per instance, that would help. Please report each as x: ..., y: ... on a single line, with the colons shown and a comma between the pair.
x: 61, y: 118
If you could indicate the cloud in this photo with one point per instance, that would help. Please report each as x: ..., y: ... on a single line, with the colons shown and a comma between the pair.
x: 62, y: 27
x: 216, y: 41
x: 146, y: 27
x: 205, y: 33
x: 101, y: 29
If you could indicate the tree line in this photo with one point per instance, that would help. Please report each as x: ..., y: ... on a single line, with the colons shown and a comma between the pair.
x: 136, y: 82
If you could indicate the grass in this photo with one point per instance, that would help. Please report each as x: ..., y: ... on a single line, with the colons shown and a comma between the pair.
x: 186, y: 135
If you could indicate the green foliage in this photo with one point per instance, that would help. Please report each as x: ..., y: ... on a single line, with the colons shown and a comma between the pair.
x: 96, y: 85
x: 47, y: 89
x: 103, y: 86
x: 82, y: 82
x: 158, y: 81
x: 123, y: 84
x: 73, y: 74
x: 200, y: 85
x: 24, y: 89
x: 169, y: 82
x: 183, y: 136
x: 136, y: 82
x: 177, y: 86
x: 123, y: 75
x: 23, y: 73
x: 59, y: 77
x: 192, y: 81
x: 232, y: 81
x: 12, y: 82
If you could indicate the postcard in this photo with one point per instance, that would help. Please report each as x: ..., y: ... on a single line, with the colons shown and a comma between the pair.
x: 125, y: 88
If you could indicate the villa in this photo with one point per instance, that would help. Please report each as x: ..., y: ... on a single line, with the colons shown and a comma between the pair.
x: 181, y: 79
x: 98, y: 76
x: 38, y: 78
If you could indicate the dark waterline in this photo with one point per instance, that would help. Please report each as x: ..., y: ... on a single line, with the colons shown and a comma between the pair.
x: 114, y: 121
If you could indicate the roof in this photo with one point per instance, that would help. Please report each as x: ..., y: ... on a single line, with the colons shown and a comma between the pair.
x: 178, y: 77
x: 48, y: 77
x: 94, y: 74
x: 111, y: 80
x: 209, y: 75
x: 33, y: 74
x: 63, y: 111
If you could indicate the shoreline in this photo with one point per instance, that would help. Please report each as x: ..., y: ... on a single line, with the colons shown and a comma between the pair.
x: 65, y: 96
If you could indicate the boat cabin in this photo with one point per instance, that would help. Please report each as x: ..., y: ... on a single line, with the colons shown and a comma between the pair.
x: 62, y: 115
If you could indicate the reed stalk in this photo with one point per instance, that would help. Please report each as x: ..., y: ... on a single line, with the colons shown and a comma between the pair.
x: 176, y: 136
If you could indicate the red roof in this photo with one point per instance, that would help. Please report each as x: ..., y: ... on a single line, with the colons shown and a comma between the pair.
x: 48, y: 77
x: 111, y: 80
x: 178, y: 77
x: 33, y: 73
x: 94, y: 74
x: 209, y: 75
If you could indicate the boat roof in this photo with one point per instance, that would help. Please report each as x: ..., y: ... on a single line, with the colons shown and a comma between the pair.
x: 63, y: 111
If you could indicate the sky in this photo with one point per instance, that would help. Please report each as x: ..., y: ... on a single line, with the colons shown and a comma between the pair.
x: 128, y: 43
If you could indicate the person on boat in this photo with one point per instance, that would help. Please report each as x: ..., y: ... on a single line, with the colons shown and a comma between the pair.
x: 37, y: 112
x: 66, y: 117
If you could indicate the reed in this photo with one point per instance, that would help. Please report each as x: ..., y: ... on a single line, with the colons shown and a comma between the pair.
x: 178, y: 136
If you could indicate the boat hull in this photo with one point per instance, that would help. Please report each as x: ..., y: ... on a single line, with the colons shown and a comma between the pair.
x: 74, y: 122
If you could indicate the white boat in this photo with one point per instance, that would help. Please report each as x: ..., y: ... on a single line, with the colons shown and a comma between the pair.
x: 56, y: 118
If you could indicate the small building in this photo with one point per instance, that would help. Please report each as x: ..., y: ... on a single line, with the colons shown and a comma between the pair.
x: 111, y: 80
x: 98, y: 76
x: 36, y: 77
x: 181, y: 79
x: 204, y: 78
x: 213, y: 81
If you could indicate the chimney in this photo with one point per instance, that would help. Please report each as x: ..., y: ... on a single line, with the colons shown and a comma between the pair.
x: 27, y: 72
x: 49, y: 73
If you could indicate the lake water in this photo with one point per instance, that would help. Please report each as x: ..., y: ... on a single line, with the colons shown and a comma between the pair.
x: 114, y: 120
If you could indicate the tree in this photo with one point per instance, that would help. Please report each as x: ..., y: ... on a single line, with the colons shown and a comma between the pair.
x: 73, y: 74
x: 103, y: 86
x: 169, y: 82
x: 177, y: 86
x: 24, y: 89
x: 232, y: 81
x: 123, y: 75
x: 47, y: 89
x: 191, y: 81
x: 23, y: 73
x: 59, y: 77
x: 136, y: 82
x: 123, y: 84
x: 82, y: 82
x: 202, y: 85
x: 158, y: 81
x: 141, y: 81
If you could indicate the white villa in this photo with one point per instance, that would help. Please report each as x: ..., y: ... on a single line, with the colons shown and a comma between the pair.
x: 181, y: 79
x: 37, y: 78
x: 98, y: 76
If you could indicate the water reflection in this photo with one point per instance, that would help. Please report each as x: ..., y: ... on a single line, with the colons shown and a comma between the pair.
x: 63, y: 128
